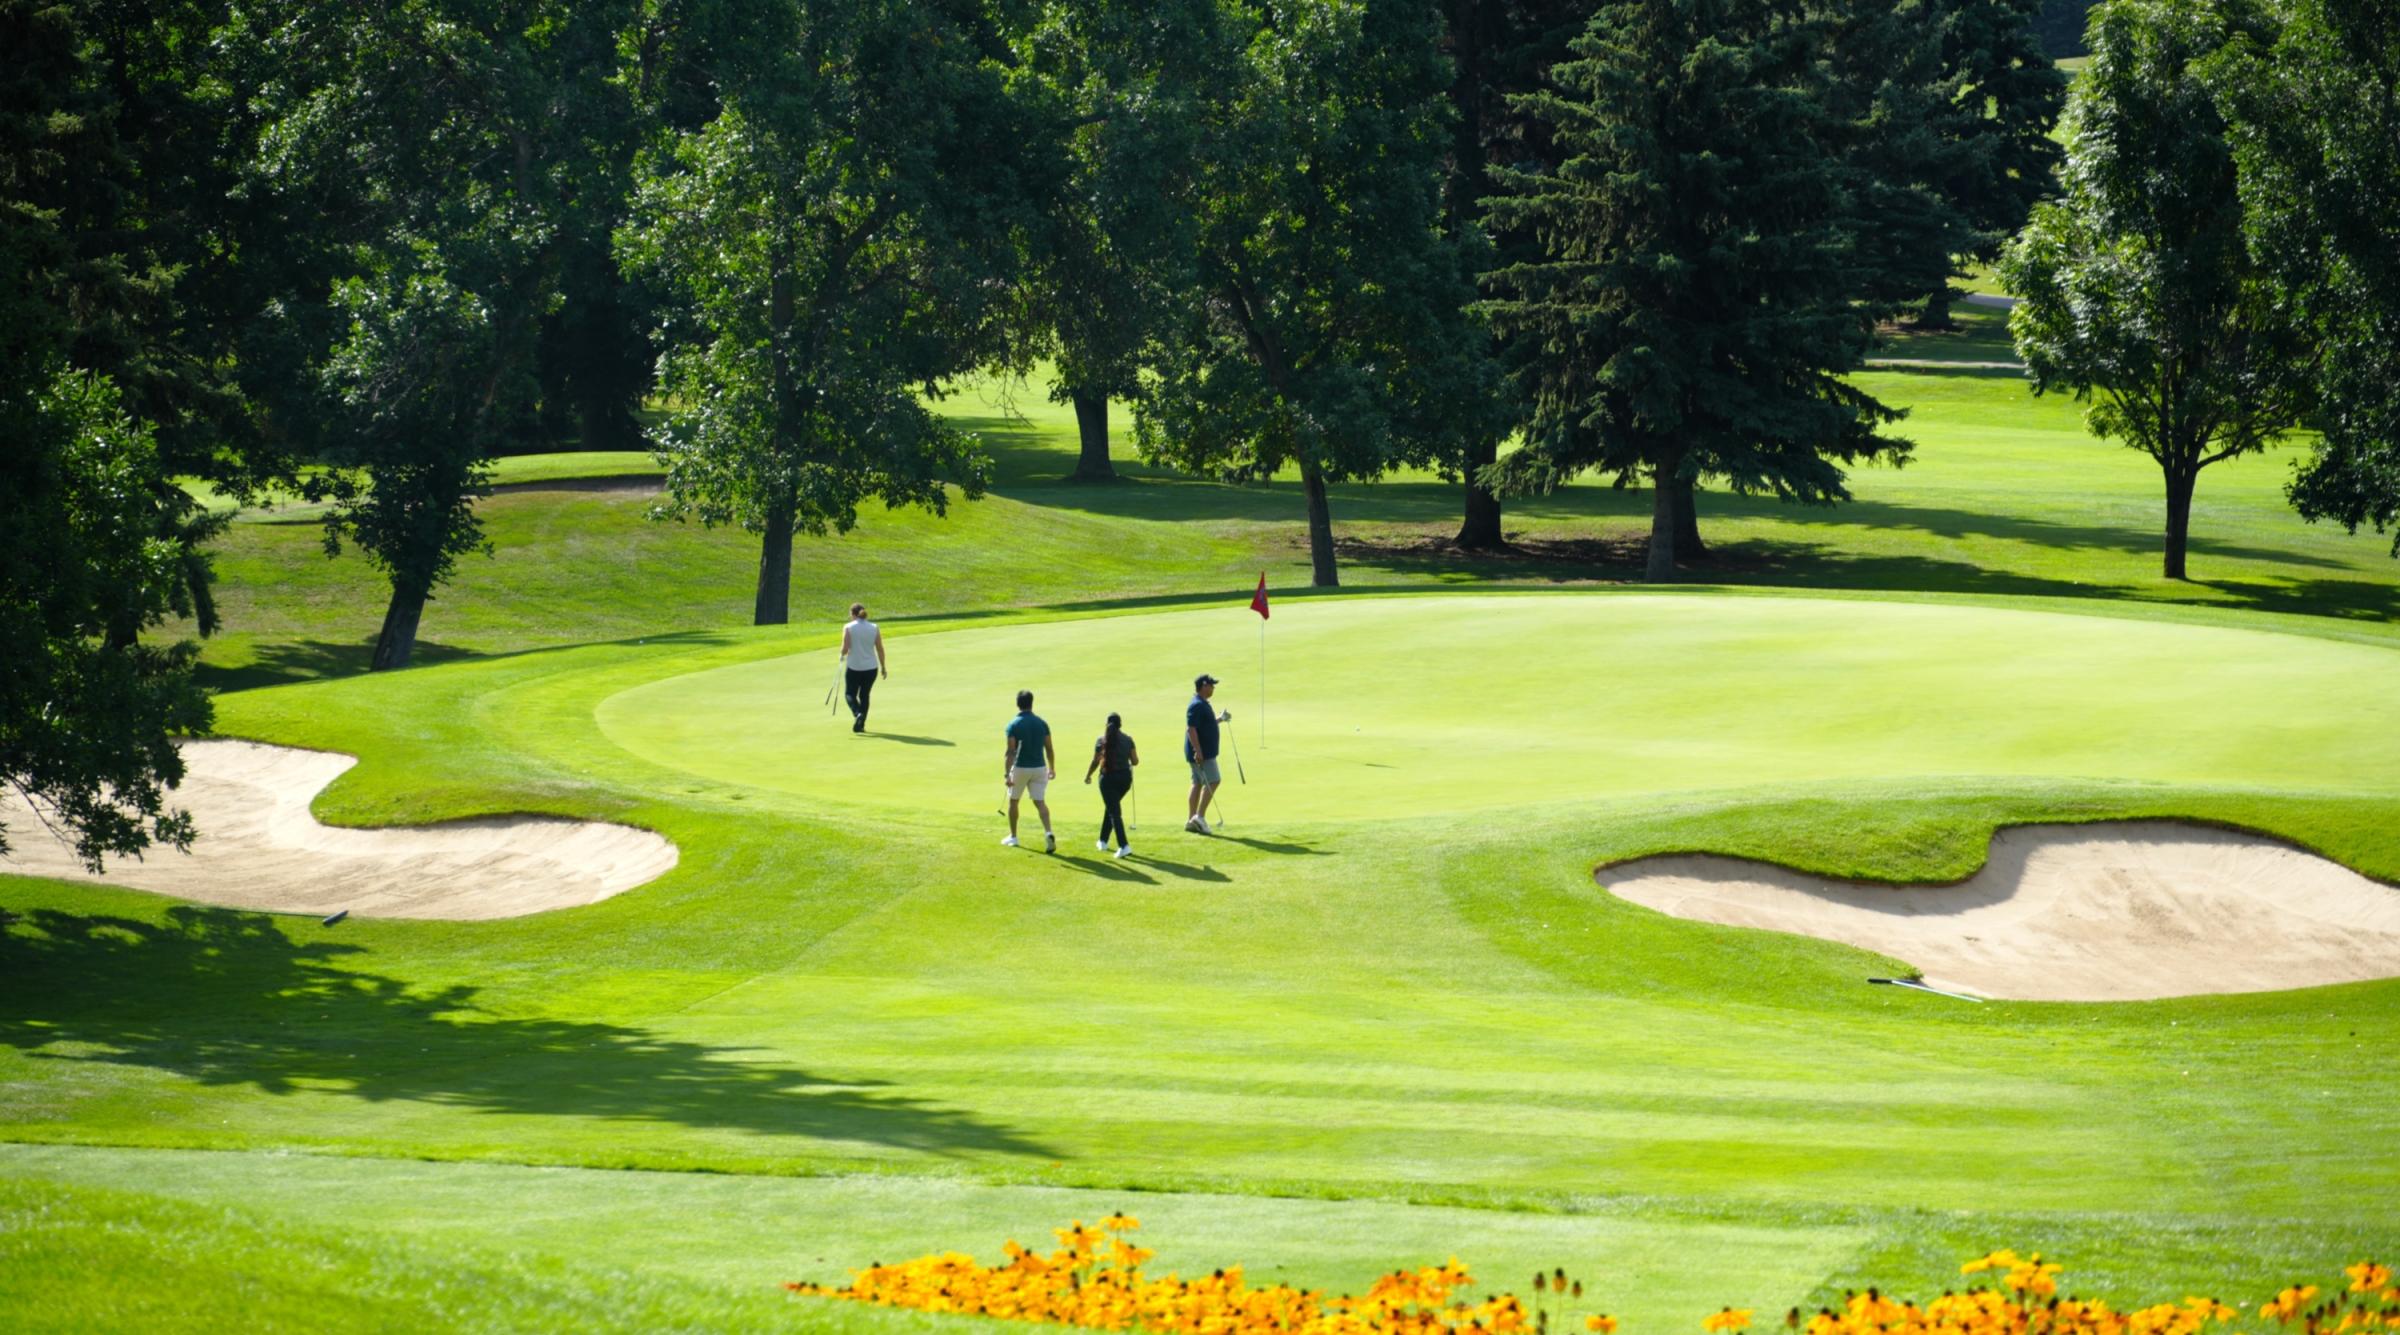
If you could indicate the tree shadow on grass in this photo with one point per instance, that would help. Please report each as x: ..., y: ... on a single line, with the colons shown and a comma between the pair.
x: 906, y: 739
x: 281, y: 662
x: 233, y: 999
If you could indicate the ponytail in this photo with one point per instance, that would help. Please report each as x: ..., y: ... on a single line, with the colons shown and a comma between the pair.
x: 1108, y: 744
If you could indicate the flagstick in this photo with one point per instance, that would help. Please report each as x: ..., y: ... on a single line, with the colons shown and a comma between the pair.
x: 1262, y: 683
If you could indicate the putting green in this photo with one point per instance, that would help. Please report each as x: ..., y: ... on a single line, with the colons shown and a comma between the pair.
x: 1396, y: 707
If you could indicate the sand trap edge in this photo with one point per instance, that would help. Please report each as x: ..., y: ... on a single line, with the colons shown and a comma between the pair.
x: 262, y: 848
x: 2106, y: 910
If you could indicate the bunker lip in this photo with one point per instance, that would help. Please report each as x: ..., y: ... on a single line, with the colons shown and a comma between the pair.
x: 260, y: 848
x: 2112, y: 911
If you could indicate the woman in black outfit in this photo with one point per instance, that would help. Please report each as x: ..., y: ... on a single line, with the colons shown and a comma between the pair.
x: 1114, y: 757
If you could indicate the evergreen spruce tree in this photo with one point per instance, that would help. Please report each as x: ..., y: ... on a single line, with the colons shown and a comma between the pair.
x: 1693, y: 300
x: 1499, y: 50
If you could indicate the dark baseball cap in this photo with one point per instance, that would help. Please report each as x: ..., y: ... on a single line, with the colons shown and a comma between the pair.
x: 1203, y: 680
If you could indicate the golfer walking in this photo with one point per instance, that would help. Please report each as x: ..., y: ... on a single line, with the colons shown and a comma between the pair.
x: 1200, y: 749
x: 1114, y: 756
x: 863, y: 660
x: 1028, y: 767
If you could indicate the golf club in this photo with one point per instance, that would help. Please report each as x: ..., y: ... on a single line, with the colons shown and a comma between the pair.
x: 833, y: 690
x: 1244, y: 775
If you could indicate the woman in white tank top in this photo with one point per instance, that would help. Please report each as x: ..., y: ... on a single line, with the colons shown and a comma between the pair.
x: 862, y: 661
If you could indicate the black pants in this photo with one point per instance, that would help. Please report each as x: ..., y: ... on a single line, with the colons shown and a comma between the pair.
x: 1113, y: 788
x: 859, y: 684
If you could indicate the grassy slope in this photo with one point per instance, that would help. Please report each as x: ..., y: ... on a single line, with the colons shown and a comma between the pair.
x: 1438, y: 1011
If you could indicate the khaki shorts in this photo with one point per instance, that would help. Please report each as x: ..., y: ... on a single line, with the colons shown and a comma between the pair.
x: 1205, y: 771
x: 1034, y: 781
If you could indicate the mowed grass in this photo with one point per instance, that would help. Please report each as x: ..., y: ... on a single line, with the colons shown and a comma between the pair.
x: 2008, y: 495
x: 1386, y: 1018
x: 1414, y: 1005
x: 1381, y: 710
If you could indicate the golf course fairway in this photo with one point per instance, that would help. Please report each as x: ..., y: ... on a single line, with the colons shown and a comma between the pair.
x: 848, y: 1025
x: 1378, y: 709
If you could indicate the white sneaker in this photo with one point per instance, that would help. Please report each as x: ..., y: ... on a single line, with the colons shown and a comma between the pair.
x: 1009, y: 842
x: 1125, y: 851
x: 1102, y: 845
x: 1049, y: 841
x: 1195, y: 825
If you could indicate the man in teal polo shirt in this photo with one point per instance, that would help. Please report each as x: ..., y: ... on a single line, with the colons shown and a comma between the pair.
x: 1029, y: 765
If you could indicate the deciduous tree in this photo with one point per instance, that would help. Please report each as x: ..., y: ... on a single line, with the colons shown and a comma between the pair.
x: 1125, y: 83
x: 835, y: 244
x: 1329, y: 330
x: 88, y: 712
x: 2314, y: 115
x: 2136, y: 289
x: 446, y: 143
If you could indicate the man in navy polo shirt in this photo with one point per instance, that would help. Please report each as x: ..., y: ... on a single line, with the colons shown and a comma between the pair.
x: 1200, y: 749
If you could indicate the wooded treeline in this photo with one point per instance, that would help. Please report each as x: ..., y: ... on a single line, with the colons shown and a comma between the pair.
x: 355, y: 252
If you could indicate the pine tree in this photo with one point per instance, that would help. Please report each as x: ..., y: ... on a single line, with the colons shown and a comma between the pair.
x: 1693, y: 302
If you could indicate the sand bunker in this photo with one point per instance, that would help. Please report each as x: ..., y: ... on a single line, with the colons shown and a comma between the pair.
x: 2113, y: 912
x: 259, y: 848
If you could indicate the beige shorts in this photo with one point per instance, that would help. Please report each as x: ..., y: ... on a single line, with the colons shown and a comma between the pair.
x: 1034, y: 781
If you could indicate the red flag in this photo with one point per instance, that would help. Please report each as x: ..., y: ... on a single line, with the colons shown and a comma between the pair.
x: 1258, y: 600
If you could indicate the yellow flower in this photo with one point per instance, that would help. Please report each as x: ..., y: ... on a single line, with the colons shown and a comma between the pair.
x: 2367, y: 1276
x: 1732, y: 1318
x: 1601, y: 1325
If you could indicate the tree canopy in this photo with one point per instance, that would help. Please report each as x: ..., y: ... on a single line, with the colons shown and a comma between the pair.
x: 1329, y: 329
x: 2137, y: 288
x: 2314, y: 116
x: 832, y: 246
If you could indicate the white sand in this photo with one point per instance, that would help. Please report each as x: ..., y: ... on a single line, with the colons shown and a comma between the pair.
x: 259, y: 848
x: 2112, y: 912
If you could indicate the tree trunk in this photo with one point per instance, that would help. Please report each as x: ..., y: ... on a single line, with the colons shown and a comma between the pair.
x: 1091, y: 422
x: 774, y: 606
x: 1480, y: 530
x: 1688, y: 546
x: 1663, y: 489
x: 399, y: 638
x: 1320, y: 526
x: 2179, y: 516
x: 1936, y: 314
